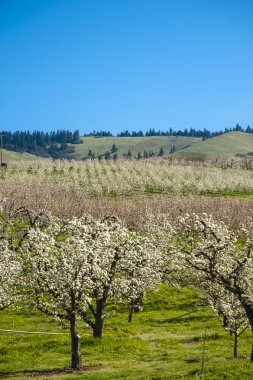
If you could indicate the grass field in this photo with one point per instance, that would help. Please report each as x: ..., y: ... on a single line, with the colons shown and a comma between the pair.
x: 163, y: 342
x: 135, y: 144
x: 228, y: 144
x: 9, y: 156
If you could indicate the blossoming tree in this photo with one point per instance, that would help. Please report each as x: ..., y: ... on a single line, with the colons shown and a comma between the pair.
x: 14, y: 226
x: 219, y: 256
x: 9, y: 273
x: 228, y: 307
x: 74, y: 268
x: 122, y: 265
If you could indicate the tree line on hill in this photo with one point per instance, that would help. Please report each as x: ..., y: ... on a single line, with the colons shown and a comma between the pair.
x: 108, y: 155
x: 57, y: 144
x: 192, y: 132
x: 46, y: 144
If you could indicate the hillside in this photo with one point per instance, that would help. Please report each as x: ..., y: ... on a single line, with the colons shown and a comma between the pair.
x: 9, y: 156
x: 228, y: 144
x: 136, y: 145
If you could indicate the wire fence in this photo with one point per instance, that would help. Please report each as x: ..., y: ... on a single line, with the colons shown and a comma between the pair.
x: 32, y: 332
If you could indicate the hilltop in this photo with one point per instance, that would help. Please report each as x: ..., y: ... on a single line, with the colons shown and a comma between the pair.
x: 227, y: 144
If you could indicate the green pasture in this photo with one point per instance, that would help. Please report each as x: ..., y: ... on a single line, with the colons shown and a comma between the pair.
x: 99, y: 145
x: 9, y: 156
x: 228, y: 144
x: 164, y: 341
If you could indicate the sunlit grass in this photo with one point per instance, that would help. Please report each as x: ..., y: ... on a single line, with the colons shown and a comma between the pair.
x: 164, y: 341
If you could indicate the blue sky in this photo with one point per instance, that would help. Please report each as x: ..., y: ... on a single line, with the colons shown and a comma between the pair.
x: 125, y: 64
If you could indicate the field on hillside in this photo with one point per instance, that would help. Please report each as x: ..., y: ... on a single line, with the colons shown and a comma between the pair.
x: 10, y: 157
x: 228, y: 144
x: 100, y: 145
x: 225, y: 145
x: 176, y: 335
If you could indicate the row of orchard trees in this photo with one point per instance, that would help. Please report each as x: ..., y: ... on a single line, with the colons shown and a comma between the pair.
x: 72, y: 269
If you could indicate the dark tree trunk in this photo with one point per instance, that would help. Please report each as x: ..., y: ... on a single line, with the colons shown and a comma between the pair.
x: 235, y: 344
x: 225, y: 321
x: 251, y: 355
x: 76, y: 360
x: 135, y: 307
x: 131, y: 311
x: 248, y: 307
x: 99, y: 320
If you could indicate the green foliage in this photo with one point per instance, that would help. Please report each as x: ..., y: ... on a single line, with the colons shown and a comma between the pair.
x: 114, y: 148
x: 161, y: 152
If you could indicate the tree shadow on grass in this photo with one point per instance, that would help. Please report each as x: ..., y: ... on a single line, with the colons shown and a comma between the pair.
x: 56, y: 371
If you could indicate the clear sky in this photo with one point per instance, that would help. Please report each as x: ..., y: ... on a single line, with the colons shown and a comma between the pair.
x: 125, y: 64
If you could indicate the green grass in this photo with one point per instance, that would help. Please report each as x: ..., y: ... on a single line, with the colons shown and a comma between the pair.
x: 9, y: 156
x: 135, y: 144
x: 228, y: 144
x: 155, y: 346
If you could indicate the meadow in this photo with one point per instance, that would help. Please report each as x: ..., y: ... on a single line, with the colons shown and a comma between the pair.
x: 100, y: 145
x: 176, y: 333
x: 228, y: 144
x: 164, y: 341
x: 10, y: 156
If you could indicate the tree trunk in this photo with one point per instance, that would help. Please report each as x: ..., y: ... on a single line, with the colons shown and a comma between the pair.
x: 99, y: 320
x: 248, y: 307
x: 131, y: 311
x: 225, y: 321
x: 135, y: 307
x: 251, y: 355
x: 76, y: 360
x: 235, y: 344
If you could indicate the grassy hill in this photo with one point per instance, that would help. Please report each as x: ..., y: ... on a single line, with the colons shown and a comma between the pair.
x: 99, y: 145
x: 9, y: 156
x: 228, y: 144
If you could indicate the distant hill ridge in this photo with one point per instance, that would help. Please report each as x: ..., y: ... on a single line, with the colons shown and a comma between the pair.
x: 89, y: 147
x: 227, y: 144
